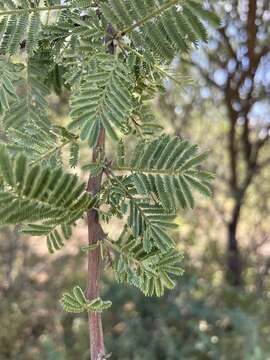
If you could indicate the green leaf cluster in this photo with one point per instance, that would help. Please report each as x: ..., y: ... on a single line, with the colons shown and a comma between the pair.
x: 8, y: 77
x: 76, y: 302
x: 33, y: 193
x: 164, y: 27
x: 169, y: 168
x: 18, y: 27
x: 111, y: 59
x: 151, y: 271
x: 104, y: 99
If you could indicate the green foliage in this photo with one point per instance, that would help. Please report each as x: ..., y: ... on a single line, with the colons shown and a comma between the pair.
x: 8, y: 74
x: 35, y: 193
x: 43, y: 144
x: 55, y: 239
x: 76, y: 302
x: 112, y: 58
x: 151, y: 222
x: 18, y: 27
x: 74, y: 154
x: 30, y: 108
x: 163, y: 26
x: 169, y: 168
x: 104, y: 99
x: 220, y: 322
x: 150, y: 271
x: 164, y: 172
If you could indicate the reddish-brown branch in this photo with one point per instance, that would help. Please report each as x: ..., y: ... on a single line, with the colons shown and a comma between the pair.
x: 95, y: 233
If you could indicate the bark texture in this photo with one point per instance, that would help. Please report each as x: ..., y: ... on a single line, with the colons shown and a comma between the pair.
x: 95, y: 233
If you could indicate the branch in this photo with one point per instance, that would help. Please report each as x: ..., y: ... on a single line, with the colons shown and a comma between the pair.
x: 252, y: 29
x: 222, y: 32
x: 95, y: 234
x: 246, y: 139
x: 232, y: 146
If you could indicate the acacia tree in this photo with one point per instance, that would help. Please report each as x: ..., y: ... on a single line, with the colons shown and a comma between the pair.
x: 112, y: 57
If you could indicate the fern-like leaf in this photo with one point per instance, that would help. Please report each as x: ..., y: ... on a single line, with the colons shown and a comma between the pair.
x: 9, y: 74
x: 169, y: 168
x: 104, y: 100
x: 56, y: 236
x: 18, y: 27
x: 151, y: 223
x: 152, y: 272
x: 76, y: 302
x: 164, y: 27
x: 35, y: 193
x: 31, y: 106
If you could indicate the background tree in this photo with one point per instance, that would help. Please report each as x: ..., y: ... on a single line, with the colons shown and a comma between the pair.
x: 235, y: 67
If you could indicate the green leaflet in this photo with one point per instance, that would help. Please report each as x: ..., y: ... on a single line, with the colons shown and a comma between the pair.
x: 56, y: 235
x: 43, y: 144
x: 30, y: 108
x: 18, y: 27
x: 104, y: 99
x: 152, y: 272
x: 164, y: 173
x: 170, y: 169
x: 165, y: 27
x: 74, y: 154
x: 50, y: 196
x: 9, y: 75
x: 151, y: 223
x: 6, y: 169
x: 33, y: 32
x: 76, y: 302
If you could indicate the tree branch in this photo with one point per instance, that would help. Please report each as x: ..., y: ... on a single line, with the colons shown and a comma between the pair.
x: 222, y: 32
x: 232, y: 148
x: 95, y: 234
x: 252, y: 29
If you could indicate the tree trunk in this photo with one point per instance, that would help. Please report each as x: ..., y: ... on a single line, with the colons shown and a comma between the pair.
x: 234, y: 271
x: 95, y: 233
x: 234, y: 263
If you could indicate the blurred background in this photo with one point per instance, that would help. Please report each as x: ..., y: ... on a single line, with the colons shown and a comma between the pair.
x: 220, y: 307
